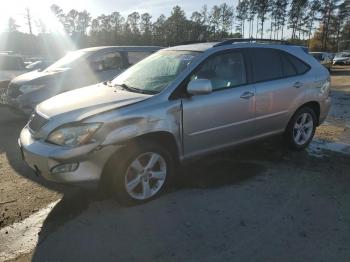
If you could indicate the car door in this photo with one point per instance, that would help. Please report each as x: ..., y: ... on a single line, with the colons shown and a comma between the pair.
x: 280, y: 87
x: 226, y: 115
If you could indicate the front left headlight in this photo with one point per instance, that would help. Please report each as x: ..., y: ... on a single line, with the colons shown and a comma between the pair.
x: 74, y: 135
x: 29, y: 88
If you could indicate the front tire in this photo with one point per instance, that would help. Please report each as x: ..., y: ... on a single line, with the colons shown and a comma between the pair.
x: 301, y: 128
x: 141, y: 172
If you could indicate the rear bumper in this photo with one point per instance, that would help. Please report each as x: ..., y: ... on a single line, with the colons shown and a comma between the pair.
x: 42, y: 157
x: 325, y: 106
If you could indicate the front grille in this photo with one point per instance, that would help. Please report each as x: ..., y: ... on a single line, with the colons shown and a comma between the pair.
x: 36, y: 122
x: 13, y: 90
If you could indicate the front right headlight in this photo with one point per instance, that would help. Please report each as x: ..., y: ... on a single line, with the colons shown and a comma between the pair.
x: 74, y: 135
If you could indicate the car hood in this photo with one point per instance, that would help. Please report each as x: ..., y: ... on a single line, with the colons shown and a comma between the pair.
x: 87, y: 101
x: 37, y: 77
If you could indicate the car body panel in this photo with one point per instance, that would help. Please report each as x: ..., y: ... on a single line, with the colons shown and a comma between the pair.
x: 217, y: 119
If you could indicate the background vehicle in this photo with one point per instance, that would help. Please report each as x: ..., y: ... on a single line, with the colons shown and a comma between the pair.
x: 342, y: 59
x: 76, y: 69
x: 324, y: 58
x: 179, y: 103
x: 11, y: 65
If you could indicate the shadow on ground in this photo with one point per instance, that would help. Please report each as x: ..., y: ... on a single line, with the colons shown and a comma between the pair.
x: 251, y: 204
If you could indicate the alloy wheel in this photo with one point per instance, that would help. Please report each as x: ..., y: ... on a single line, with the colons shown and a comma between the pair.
x: 145, y: 175
x: 303, y: 129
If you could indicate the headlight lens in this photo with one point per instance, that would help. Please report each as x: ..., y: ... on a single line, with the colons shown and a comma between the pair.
x: 74, y: 135
x: 29, y: 88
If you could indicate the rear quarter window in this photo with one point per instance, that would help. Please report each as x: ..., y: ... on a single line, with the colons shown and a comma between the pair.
x: 299, y: 65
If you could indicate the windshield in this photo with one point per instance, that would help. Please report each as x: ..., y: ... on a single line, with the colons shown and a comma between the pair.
x: 67, y: 61
x: 156, y: 72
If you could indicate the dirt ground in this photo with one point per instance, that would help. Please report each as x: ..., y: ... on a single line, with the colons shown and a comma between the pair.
x: 258, y: 203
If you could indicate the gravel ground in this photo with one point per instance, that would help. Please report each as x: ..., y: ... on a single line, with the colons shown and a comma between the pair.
x: 258, y: 203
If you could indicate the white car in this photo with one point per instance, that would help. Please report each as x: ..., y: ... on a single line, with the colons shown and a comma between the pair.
x: 342, y: 59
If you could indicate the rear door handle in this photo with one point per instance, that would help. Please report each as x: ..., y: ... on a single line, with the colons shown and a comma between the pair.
x: 298, y: 84
x: 247, y: 95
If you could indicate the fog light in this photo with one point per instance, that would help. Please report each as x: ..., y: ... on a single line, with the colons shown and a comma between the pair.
x: 64, y: 168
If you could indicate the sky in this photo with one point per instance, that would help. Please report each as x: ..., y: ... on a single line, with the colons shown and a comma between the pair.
x: 40, y: 9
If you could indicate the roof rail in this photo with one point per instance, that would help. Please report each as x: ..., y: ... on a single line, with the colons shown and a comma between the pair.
x: 193, y: 42
x: 250, y: 40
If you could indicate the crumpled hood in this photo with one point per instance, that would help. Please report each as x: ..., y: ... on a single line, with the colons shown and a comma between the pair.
x: 37, y: 77
x: 87, y: 101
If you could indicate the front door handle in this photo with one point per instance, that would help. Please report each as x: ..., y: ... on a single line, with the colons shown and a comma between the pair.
x: 298, y: 84
x: 247, y: 95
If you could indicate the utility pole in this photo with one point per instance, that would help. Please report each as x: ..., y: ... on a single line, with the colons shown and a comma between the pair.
x: 28, y: 17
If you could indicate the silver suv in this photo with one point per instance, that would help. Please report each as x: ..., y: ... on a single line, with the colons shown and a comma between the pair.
x: 179, y: 103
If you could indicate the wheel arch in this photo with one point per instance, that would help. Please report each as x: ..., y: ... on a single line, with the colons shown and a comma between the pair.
x: 163, y: 138
x: 314, y: 105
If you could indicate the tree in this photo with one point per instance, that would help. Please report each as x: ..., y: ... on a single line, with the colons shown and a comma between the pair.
x: 252, y: 10
x: 281, y: 13
x: 28, y: 19
x: 327, y: 10
x: 133, y: 20
x: 295, y: 15
x: 84, y: 20
x: 196, y: 28
x: 262, y: 10
x: 146, y: 27
x: 159, y: 31
x: 242, y: 14
x: 177, y: 26
x: 226, y: 18
x: 12, y: 26
x: 215, y: 20
x: 314, y: 8
x: 117, y: 21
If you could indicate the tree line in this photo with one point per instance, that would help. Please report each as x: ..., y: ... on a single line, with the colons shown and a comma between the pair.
x: 320, y: 24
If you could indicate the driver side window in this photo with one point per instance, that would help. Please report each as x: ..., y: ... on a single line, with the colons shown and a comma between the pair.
x: 224, y: 70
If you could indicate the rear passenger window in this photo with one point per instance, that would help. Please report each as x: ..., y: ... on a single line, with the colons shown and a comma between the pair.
x: 300, y: 66
x: 135, y: 57
x: 266, y: 64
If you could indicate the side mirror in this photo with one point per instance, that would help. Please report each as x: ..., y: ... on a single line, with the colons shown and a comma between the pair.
x: 199, y: 87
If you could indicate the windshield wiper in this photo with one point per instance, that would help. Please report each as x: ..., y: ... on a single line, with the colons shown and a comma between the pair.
x: 136, y: 90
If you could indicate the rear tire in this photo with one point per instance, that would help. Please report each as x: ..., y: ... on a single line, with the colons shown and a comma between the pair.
x: 301, y: 128
x: 140, y: 172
